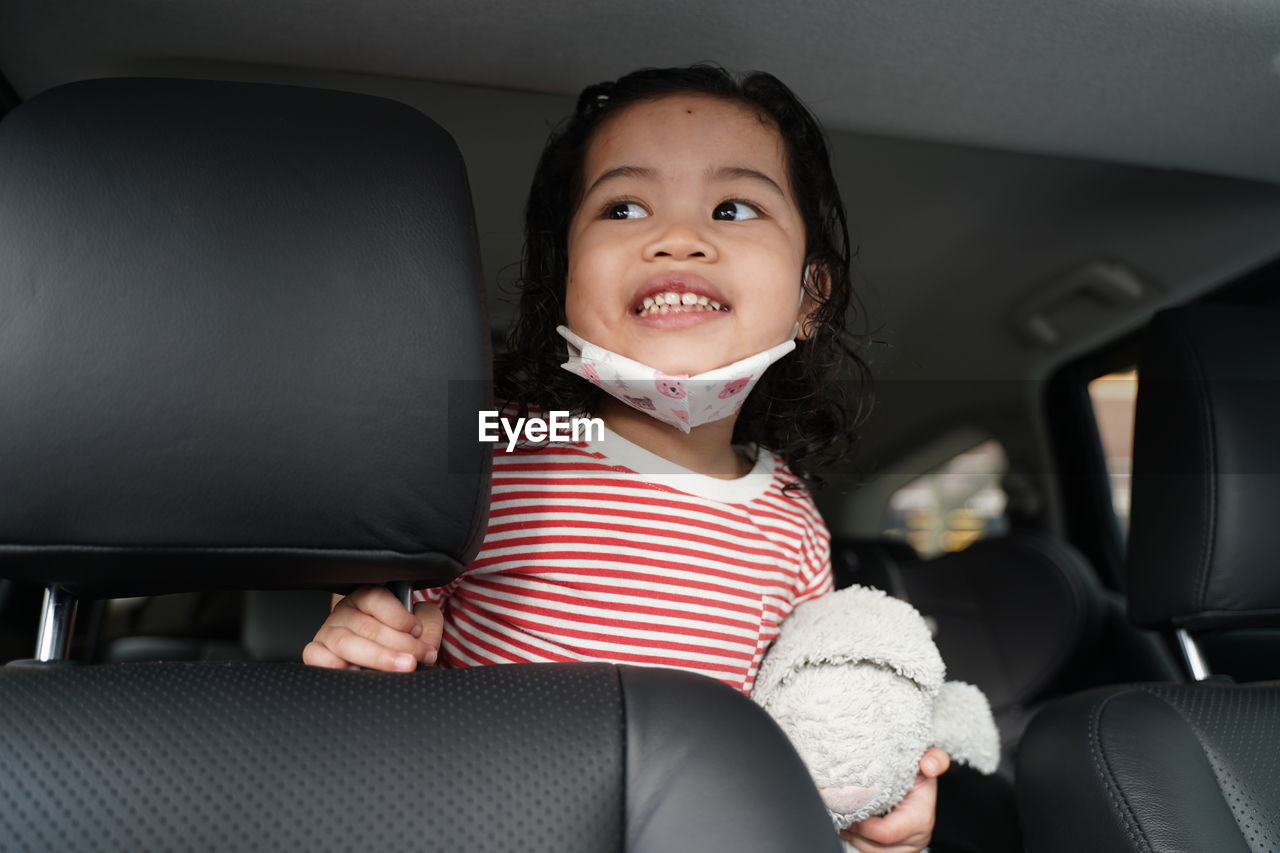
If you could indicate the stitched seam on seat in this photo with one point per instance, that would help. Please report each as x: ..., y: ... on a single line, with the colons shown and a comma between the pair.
x: 1201, y: 741
x: 1103, y: 767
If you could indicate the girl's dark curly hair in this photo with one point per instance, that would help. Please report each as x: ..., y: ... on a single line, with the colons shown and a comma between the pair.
x: 801, y: 408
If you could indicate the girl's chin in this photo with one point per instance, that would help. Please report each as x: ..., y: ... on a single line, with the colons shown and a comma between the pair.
x: 683, y: 355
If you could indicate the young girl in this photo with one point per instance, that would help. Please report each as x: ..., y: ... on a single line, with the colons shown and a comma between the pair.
x: 684, y: 233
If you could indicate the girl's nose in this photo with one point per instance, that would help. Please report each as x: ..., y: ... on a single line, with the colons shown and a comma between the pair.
x: 680, y: 241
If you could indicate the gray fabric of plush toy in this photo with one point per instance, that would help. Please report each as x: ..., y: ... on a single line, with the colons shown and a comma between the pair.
x: 855, y: 680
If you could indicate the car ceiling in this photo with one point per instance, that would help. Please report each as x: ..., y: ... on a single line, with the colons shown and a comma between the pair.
x: 997, y: 158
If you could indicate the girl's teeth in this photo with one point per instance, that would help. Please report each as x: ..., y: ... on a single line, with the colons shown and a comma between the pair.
x: 668, y: 301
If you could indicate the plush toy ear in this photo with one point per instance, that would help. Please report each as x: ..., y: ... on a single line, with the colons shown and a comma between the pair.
x: 964, y: 727
x: 850, y: 626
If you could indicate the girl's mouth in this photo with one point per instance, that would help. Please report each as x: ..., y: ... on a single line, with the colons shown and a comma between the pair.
x: 683, y: 292
x: 676, y: 301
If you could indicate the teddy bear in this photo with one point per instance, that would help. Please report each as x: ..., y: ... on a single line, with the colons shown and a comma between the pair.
x: 856, y: 682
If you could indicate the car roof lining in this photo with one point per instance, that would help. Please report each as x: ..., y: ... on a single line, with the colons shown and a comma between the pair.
x: 983, y: 153
x: 1130, y: 82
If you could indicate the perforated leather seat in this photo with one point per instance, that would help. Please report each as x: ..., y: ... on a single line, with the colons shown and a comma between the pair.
x: 242, y: 345
x: 1186, y: 767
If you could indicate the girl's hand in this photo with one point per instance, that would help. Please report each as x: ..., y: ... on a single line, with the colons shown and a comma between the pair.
x: 370, y: 629
x: 909, y: 827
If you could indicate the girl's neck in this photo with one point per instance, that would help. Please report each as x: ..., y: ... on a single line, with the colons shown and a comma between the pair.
x: 707, y: 449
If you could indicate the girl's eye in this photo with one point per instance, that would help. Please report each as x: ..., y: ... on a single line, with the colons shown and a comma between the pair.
x: 625, y: 210
x: 735, y: 211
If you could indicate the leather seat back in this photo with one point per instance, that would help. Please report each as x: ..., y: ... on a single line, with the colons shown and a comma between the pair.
x: 546, y: 759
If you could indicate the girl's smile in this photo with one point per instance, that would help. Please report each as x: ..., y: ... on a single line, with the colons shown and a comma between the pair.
x: 687, y: 249
x: 678, y: 301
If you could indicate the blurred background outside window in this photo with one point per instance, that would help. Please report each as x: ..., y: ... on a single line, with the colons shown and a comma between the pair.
x: 953, y: 506
x: 1113, y: 397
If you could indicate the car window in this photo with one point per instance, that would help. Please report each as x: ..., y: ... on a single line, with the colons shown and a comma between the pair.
x: 1113, y: 397
x: 954, y: 505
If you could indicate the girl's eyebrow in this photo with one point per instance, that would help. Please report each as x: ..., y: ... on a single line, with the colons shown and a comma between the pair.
x: 720, y: 173
x: 619, y: 172
x: 729, y: 173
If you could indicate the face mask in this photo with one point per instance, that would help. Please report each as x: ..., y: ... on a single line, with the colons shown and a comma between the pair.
x: 682, y: 401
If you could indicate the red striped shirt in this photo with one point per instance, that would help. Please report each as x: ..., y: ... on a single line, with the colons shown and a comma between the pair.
x: 606, y: 552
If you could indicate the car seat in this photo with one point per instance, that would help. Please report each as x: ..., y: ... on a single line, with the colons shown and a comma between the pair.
x: 875, y: 563
x: 1021, y: 616
x: 1165, y: 766
x: 242, y: 345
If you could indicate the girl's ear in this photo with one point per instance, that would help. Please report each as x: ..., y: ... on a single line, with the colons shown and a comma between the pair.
x: 815, y: 290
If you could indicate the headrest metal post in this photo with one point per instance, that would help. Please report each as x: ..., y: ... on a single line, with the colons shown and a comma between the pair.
x: 1196, y: 664
x: 57, y: 618
x: 403, y: 591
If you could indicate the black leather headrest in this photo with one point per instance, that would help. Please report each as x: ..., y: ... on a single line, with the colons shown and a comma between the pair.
x: 231, y: 317
x: 873, y: 562
x: 1010, y: 612
x: 1203, y: 551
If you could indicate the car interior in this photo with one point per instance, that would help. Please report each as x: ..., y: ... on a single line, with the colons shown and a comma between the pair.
x: 219, y: 404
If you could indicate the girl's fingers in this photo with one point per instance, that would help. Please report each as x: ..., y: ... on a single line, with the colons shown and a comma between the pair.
x: 355, y: 649
x: 378, y: 602
x: 316, y: 654
x: 431, y: 620
x: 934, y: 762
x: 367, y: 627
x: 371, y: 629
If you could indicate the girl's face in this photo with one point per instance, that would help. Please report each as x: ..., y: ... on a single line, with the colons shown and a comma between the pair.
x: 687, y: 196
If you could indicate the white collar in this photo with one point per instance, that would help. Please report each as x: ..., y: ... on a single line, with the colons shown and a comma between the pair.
x: 655, y: 469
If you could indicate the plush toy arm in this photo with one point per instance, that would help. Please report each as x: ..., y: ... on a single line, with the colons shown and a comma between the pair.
x: 964, y: 727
